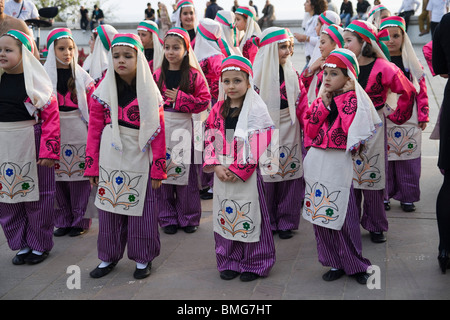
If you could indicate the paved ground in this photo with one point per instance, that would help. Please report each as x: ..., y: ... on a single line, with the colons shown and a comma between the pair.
x: 186, y: 268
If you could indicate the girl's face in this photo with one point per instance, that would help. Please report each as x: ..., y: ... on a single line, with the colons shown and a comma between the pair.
x: 125, y: 61
x: 92, y: 42
x: 384, y: 14
x: 352, y: 43
x: 241, y: 22
x: 187, y: 16
x: 326, y: 45
x: 334, y: 79
x: 284, y: 51
x: 395, y: 42
x: 10, y: 55
x: 174, y: 50
x: 64, y: 51
x: 235, y: 84
x: 146, y: 38
x: 318, y: 27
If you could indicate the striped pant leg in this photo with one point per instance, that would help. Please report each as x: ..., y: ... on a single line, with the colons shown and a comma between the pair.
x: 406, y: 176
x: 188, y: 203
x: 374, y: 217
x: 112, y: 236
x: 80, y: 192
x: 14, y: 221
x: 342, y: 249
x: 167, y: 215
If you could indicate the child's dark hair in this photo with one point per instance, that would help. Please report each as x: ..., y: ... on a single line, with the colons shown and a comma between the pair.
x: 122, y: 86
x: 368, y: 50
x: 185, y: 69
x: 226, y: 106
x: 71, y: 84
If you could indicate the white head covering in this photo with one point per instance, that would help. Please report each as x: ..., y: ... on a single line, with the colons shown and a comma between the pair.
x: 366, y: 119
x: 148, y: 95
x: 209, y: 41
x: 176, y: 16
x: 254, y: 116
x: 158, y: 51
x: 267, y: 73
x: 105, y: 34
x: 375, y: 15
x: 252, y: 28
x: 83, y: 82
x: 229, y: 30
x: 37, y: 83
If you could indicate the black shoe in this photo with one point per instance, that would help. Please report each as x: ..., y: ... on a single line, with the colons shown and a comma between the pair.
x: 33, y: 258
x: 228, y: 274
x: 76, y: 232
x: 61, y: 231
x: 172, y: 229
x: 285, y: 234
x: 410, y: 207
x: 207, y: 196
x: 190, y: 229
x: 332, y: 275
x: 387, y: 206
x: 377, y: 237
x: 361, y: 277
x: 101, y: 272
x: 444, y: 261
x: 19, y: 259
x: 142, y: 273
x: 248, y: 276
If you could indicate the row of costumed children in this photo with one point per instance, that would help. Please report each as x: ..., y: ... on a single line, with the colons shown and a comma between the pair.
x: 273, y: 144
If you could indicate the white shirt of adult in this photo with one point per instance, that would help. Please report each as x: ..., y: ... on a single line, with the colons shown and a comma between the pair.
x: 409, y: 5
x: 310, y: 31
x: 438, y: 8
x: 29, y: 10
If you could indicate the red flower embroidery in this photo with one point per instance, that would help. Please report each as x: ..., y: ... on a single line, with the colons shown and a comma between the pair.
x: 57, y: 166
x: 222, y: 221
x: 308, y: 204
x: 101, y: 191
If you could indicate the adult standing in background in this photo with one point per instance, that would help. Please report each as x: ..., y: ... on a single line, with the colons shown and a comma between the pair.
x: 164, y: 20
x: 97, y: 17
x: 362, y: 8
x: 212, y: 9
x: 436, y: 10
x: 346, y: 12
x: 84, y: 20
x: 313, y: 8
x: 21, y: 9
x: 424, y: 19
x: 268, y: 15
x: 236, y: 5
x: 441, y: 66
x: 251, y: 4
x: 149, y: 12
x: 407, y: 10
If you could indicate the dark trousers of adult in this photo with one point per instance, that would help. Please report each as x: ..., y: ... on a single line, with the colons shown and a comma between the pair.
x: 407, y: 15
x: 84, y: 24
x: 424, y: 22
x: 433, y: 26
x: 443, y: 213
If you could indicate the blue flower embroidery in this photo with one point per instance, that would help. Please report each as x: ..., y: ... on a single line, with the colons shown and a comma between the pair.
x: 282, y: 155
x: 358, y: 162
x: 398, y: 134
x: 318, y: 193
x: 229, y: 210
x: 68, y: 153
x: 9, y: 172
x: 167, y: 156
x: 119, y: 180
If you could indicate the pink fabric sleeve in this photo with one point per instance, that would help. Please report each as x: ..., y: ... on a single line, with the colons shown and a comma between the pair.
x: 214, y: 139
x: 401, y: 85
x: 51, y: 135
x: 95, y: 129
x: 315, y: 117
x: 302, y: 104
x: 158, y: 145
x: 423, y: 109
x: 196, y: 102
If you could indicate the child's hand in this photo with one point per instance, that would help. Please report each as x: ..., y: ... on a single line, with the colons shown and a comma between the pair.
x: 326, y: 98
x: 93, y: 181
x: 46, y: 162
x: 316, y: 65
x: 222, y: 173
x: 156, y: 184
x: 231, y: 176
x: 349, y: 86
x: 171, y: 94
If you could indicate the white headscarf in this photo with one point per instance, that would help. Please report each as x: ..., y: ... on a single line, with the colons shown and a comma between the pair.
x: 267, y: 73
x: 105, y: 34
x: 158, y: 51
x: 207, y: 41
x: 148, y: 95
x: 176, y: 16
x: 252, y: 28
x: 83, y: 82
x: 229, y: 30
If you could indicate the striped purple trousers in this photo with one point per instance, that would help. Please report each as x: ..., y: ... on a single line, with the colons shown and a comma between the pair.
x: 403, y: 180
x: 257, y: 257
x: 342, y: 249
x: 139, y: 234
x: 72, y: 198
x: 30, y: 224
x: 181, y: 205
x: 284, y: 200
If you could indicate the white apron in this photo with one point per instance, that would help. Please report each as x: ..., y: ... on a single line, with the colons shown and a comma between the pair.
x: 282, y: 160
x: 236, y: 210
x: 18, y: 168
x: 328, y: 180
x: 369, y: 167
x: 71, y: 165
x: 123, y: 175
x: 404, y: 141
x: 178, y: 128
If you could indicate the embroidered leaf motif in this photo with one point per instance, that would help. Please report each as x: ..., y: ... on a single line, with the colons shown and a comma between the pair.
x: 72, y: 161
x: 320, y: 204
x: 400, y: 140
x: 233, y: 218
x: 287, y: 164
x: 15, y: 180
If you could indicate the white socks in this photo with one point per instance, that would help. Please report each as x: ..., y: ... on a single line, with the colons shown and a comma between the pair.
x: 141, y: 265
x: 104, y: 264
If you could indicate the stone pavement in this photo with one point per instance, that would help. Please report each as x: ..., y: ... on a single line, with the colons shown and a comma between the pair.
x: 186, y: 268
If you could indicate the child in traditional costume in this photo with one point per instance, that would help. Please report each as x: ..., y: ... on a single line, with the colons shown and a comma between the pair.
x: 338, y: 122
x: 379, y: 78
x: 405, y: 141
x: 185, y: 17
x: 238, y: 131
x: 153, y: 46
x: 126, y: 154
x: 229, y: 30
x: 99, y: 61
x: 281, y: 89
x: 29, y: 125
x: 186, y: 95
x: 246, y: 22
x: 73, y: 87
x: 376, y: 14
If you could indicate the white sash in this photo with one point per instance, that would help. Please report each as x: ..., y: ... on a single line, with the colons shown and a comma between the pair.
x: 18, y: 168
x: 71, y: 165
x: 328, y: 178
x: 404, y: 141
x: 369, y: 167
x: 282, y: 160
x: 123, y: 175
x: 236, y: 210
x: 178, y: 128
